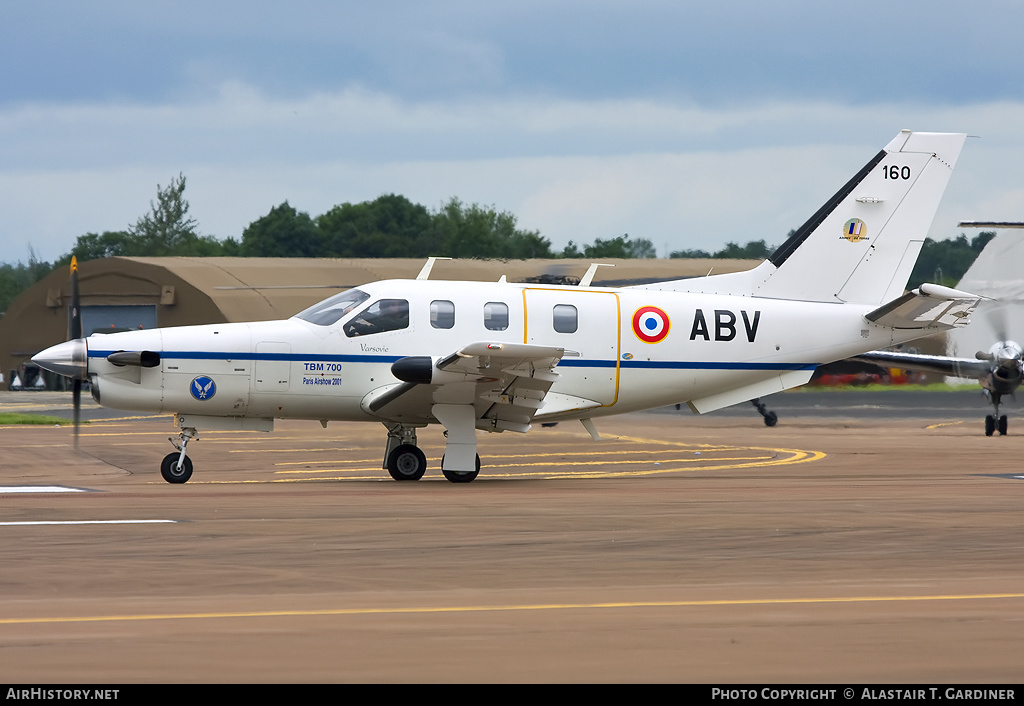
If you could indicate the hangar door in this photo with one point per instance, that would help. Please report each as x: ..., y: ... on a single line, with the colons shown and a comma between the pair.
x: 114, y: 318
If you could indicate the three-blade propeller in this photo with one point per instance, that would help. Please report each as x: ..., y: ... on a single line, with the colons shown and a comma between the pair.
x: 75, y: 334
x: 70, y: 358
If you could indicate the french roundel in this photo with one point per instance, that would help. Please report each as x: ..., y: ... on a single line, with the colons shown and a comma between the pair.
x: 650, y: 324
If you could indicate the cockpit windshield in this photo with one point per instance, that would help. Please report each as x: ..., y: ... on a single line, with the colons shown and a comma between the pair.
x: 330, y: 310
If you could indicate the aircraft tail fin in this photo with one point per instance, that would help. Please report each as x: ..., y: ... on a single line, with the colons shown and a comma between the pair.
x: 862, y: 244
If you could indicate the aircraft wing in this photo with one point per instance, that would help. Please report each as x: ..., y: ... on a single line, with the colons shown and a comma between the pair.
x: 505, y: 382
x: 953, y: 367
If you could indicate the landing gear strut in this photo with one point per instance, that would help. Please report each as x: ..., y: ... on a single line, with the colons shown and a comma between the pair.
x: 995, y: 422
x: 404, y: 460
x: 177, y: 467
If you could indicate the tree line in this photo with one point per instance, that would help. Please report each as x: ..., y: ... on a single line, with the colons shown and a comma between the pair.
x: 393, y: 226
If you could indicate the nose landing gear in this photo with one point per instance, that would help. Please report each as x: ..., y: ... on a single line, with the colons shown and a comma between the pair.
x: 177, y: 467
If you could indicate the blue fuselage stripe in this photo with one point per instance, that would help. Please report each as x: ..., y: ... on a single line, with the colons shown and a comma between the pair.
x: 564, y: 363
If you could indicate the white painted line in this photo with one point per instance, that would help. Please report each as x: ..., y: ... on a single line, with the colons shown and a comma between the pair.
x: 89, y: 522
x: 40, y: 489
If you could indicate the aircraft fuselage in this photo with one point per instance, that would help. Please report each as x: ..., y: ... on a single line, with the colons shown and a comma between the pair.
x: 637, y: 349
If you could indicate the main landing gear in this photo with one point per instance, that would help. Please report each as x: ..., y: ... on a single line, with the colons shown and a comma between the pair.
x: 995, y: 422
x: 404, y: 460
x: 177, y: 467
x: 461, y: 476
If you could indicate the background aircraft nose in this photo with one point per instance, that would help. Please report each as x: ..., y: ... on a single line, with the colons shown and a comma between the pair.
x: 69, y: 359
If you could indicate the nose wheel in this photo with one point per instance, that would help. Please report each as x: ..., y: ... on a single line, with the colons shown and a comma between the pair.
x: 174, y: 469
x: 177, y: 467
x: 995, y: 424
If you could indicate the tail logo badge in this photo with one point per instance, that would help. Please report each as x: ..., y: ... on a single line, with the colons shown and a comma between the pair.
x: 855, y: 230
x: 650, y: 324
x: 203, y: 388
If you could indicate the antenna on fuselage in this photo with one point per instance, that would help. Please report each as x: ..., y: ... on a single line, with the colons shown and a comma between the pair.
x: 428, y: 266
x: 591, y: 271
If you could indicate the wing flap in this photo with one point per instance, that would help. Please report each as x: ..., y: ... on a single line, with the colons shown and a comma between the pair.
x: 506, y: 383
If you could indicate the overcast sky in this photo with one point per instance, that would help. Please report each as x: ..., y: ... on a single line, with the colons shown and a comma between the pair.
x: 690, y: 124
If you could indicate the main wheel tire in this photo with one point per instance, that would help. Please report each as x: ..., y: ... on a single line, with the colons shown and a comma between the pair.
x: 771, y: 419
x: 461, y: 476
x: 1002, y: 425
x: 990, y: 425
x: 407, y: 462
x: 170, y: 471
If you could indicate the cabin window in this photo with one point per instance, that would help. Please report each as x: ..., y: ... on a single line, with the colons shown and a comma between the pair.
x: 442, y: 314
x: 381, y: 316
x: 565, y: 318
x: 330, y: 310
x: 496, y: 316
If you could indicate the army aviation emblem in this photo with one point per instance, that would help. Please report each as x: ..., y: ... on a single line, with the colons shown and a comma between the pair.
x: 203, y: 388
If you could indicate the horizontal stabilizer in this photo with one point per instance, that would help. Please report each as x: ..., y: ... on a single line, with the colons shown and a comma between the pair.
x: 928, y: 306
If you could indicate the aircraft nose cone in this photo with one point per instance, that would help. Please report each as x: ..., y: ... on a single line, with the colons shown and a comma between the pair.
x: 69, y: 359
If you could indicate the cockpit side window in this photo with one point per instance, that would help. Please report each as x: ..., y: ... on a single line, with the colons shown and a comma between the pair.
x: 331, y: 310
x: 381, y: 316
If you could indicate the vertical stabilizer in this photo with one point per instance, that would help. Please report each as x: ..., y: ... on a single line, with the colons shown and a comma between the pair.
x: 862, y: 244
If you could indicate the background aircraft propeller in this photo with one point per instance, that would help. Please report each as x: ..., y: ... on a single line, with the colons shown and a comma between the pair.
x: 75, y: 333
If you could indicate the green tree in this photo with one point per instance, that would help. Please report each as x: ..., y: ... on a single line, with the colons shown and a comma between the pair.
x: 476, y: 231
x: 93, y: 246
x: 283, y: 232
x: 167, y: 229
x: 14, y: 279
x: 620, y: 247
x: 753, y: 250
x: 689, y: 254
x: 388, y: 226
x: 946, y: 261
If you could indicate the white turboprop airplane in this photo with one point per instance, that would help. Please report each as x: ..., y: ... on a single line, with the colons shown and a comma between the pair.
x: 498, y: 356
x: 1000, y: 370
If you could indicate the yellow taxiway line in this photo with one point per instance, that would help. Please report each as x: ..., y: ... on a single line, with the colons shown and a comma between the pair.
x: 503, y: 608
